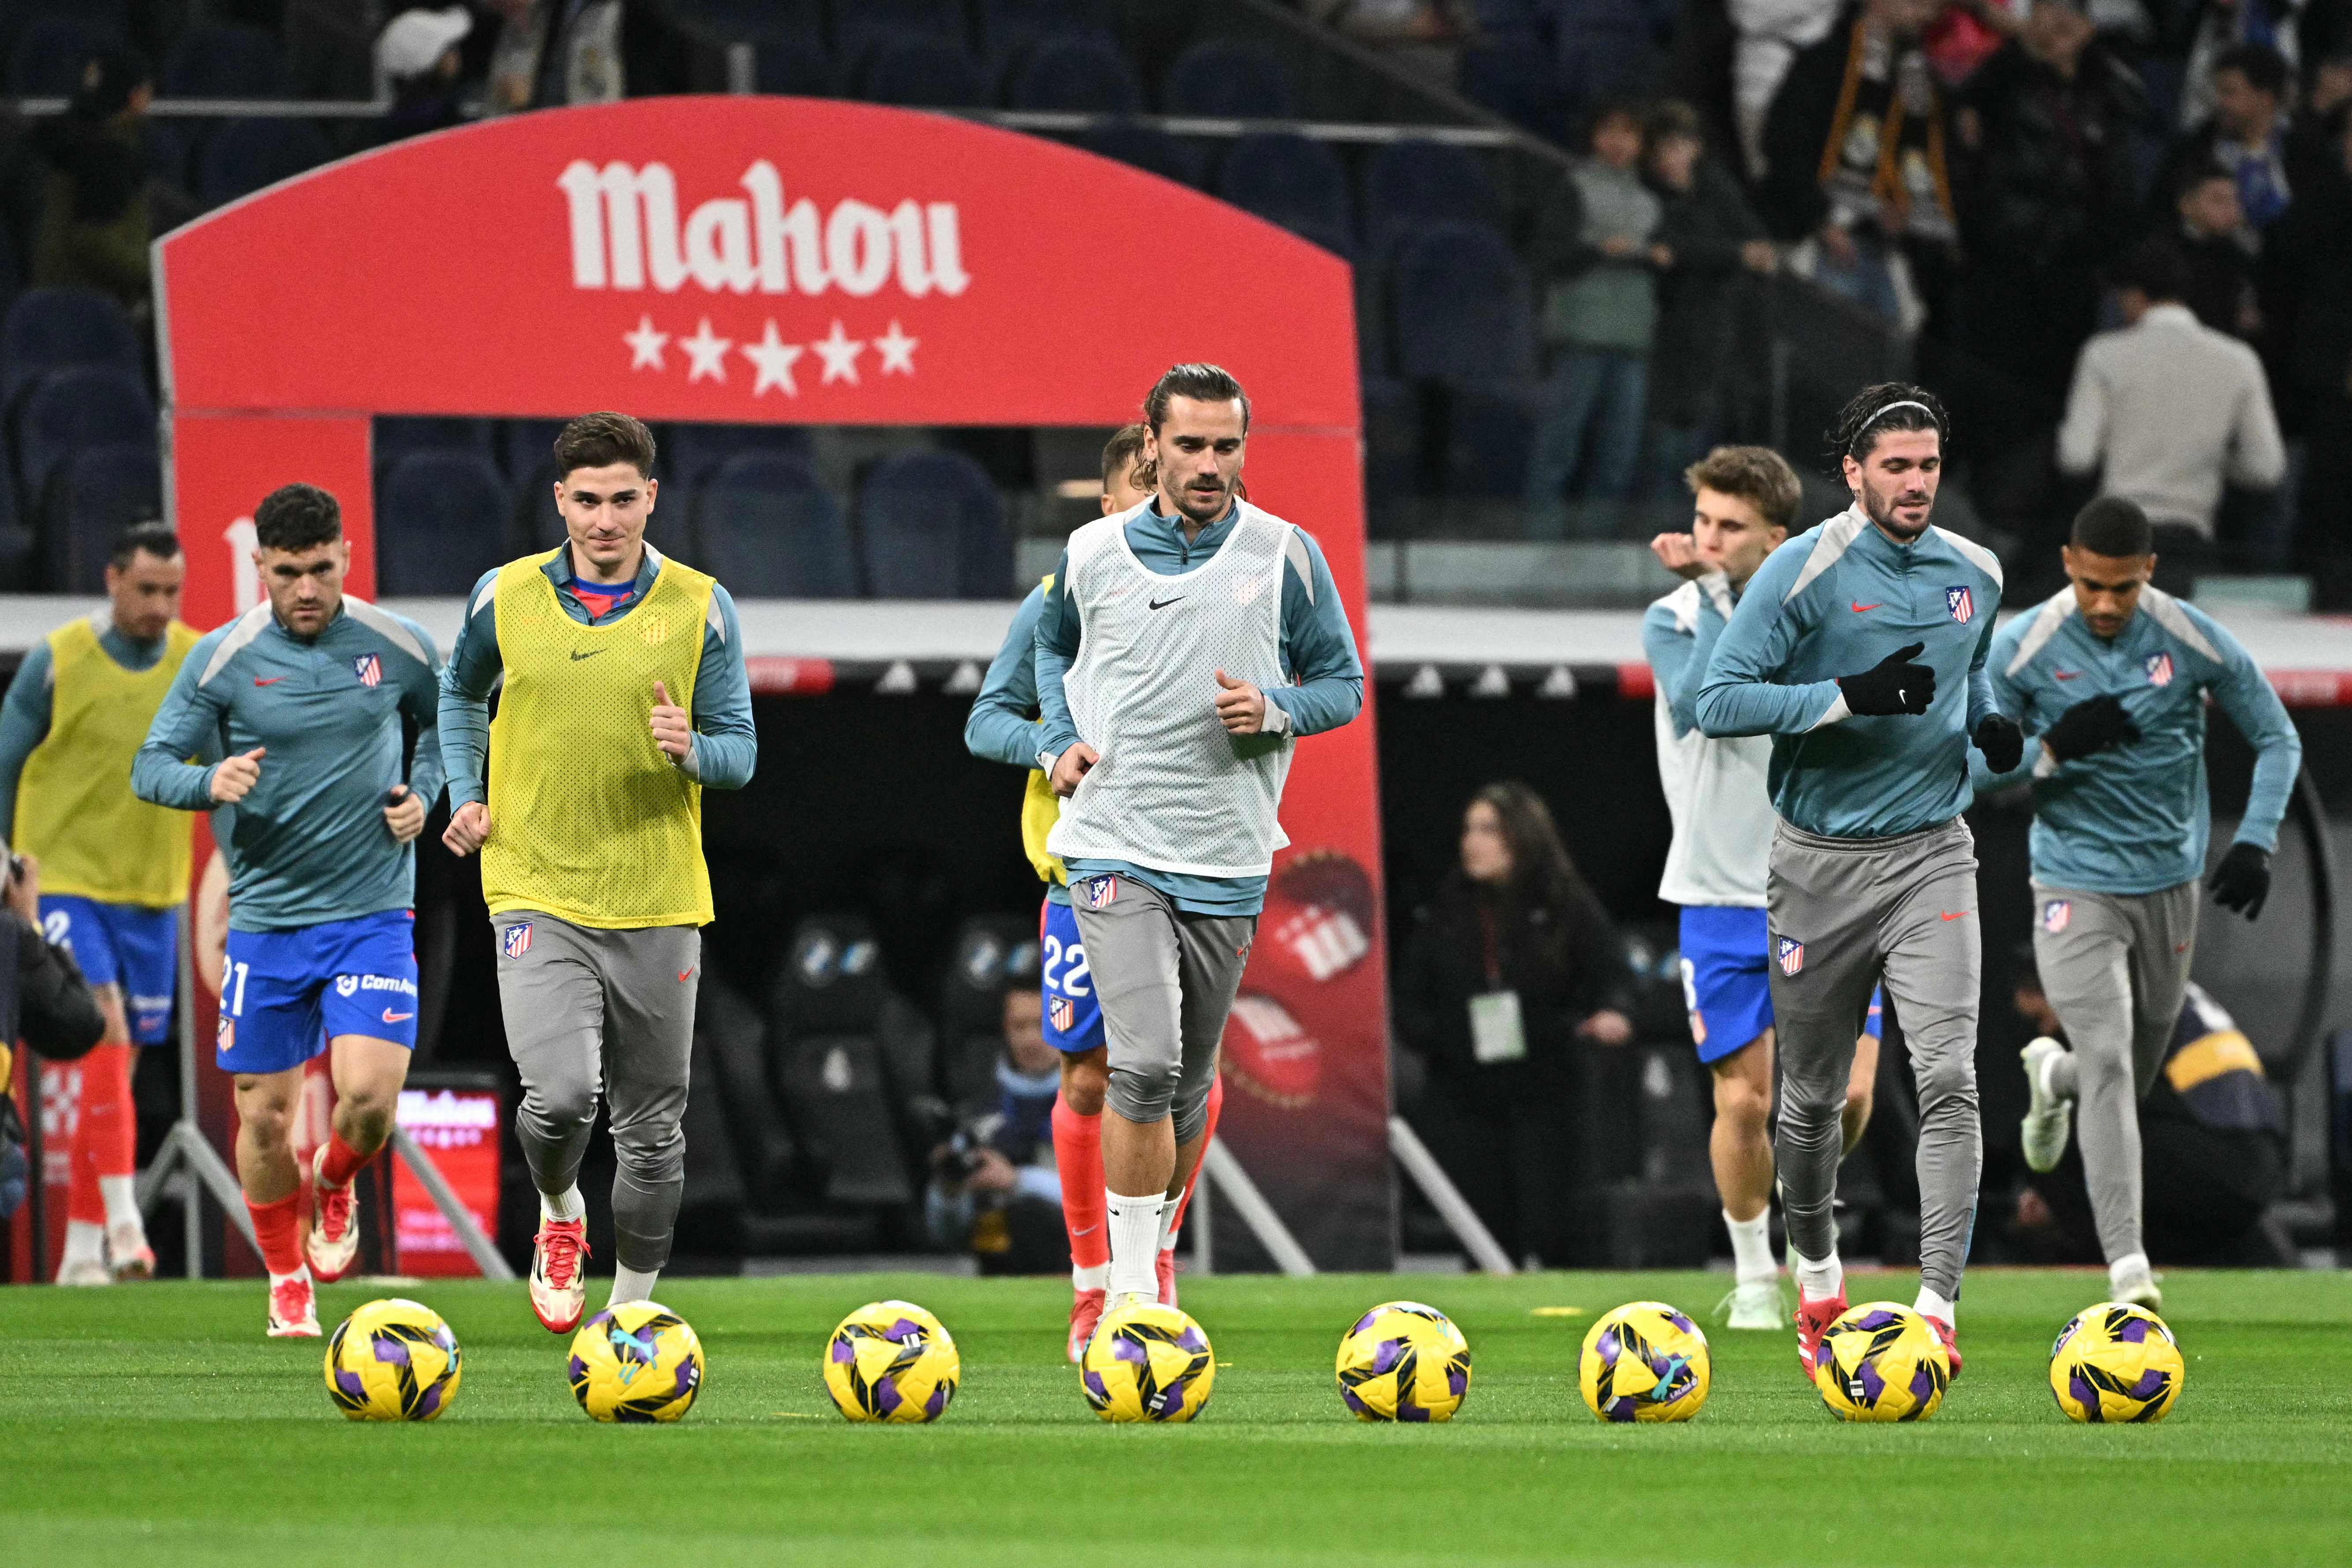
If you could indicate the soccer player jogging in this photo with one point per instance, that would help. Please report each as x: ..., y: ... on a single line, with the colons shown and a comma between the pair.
x: 1182, y: 646
x: 625, y: 698
x: 1003, y: 728
x: 304, y: 698
x: 2111, y: 676
x: 113, y: 869
x: 1744, y: 498
x: 1860, y: 647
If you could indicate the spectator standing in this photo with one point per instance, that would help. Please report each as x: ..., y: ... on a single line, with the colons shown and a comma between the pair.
x: 553, y: 52
x: 2226, y: 26
x: 416, y: 68
x: 994, y: 1190
x: 2309, y: 260
x: 1769, y: 34
x: 2217, y: 252
x: 1857, y: 160
x: 96, y: 223
x: 2247, y: 133
x: 1713, y: 242
x: 2047, y: 196
x: 1595, y: 248
x: 1512, y: 969
x: 2166, y: 410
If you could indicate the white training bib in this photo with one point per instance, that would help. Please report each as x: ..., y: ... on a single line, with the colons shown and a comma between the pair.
x: 1173, y: 789
x: 1716, y: 791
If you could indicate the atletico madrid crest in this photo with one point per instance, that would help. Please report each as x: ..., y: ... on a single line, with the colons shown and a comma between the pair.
x: 368, y: 668
x: 1793, y: 956
x: 515, y: 941
x: 1961, y: 604
x: 1063, y: 1013
x: 1099, y: 891
x: 2160, y: 669
x: 2056, y: 913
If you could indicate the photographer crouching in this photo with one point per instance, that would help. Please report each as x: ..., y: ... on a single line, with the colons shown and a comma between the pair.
x: 993, y: 1187
x: 43, y: 1002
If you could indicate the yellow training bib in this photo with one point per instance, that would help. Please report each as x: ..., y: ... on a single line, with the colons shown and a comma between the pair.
x: 75, y: 811
x: 590, y: 821
x: 1040, y: 809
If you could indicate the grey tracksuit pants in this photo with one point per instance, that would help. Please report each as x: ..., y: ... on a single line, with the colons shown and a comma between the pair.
x: 1846, y: 914
x: 2116, y: 973
x: 590, y: 1011
x: 1167, y: 980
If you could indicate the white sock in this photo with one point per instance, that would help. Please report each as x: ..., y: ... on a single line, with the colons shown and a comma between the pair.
x: 121, y: 1195
x: 1818, y: 1281
x: 632, y: 1285
x: 1751, y: 1247
x: 2128, y: 1269
x: 565, y: 1205
x: 1934, y: 1306
x: 84, y: 1242
x: 1093, y: 1277
x: 1134, y: 1243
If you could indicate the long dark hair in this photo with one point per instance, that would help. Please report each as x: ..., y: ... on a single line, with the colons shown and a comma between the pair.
x: 1542, y: 875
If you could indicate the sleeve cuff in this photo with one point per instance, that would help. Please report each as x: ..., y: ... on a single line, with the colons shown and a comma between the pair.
x: 1836, y: 712
x: 1047, y: 757
x: 1277, y: 720
x: 2045, y: 764
x: 691, y: 764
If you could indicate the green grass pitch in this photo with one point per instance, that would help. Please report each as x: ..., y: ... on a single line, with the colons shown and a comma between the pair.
x: 157, y: 1425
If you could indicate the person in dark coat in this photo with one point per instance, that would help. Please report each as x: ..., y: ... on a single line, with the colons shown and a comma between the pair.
x: 44, y: 1002
x: 2217, y: 252
x: 95, y: 219
x: 1714, y: 244
x: 2307, y: 257
x: 1512, y: 973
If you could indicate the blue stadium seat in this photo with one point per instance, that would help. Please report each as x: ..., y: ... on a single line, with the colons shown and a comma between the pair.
x: 921, y: 73
x: 1461, y: 306
x: 49, y: 53
x: 932, y: 526
x: 1285, y: 178
x: 1490, y: 429
x: 394, y: 438
x: 1392, y: 438
x: 860, y: 24
x: 1076, y: 76
x: 523, y: 446
x: 1009, y: 26
x: 689, y: 452
x: 1145, y: 147
x: 1409, y: 184
x: 226, y: 62
x: 245, y: 155
x: 1229, y: 81
x: 765, y: 525
x: 1518, y: 79
x: 440, y: 523
x: 801, y: 20
x: 107, y: 488
x: 70, y: 409
x: 49, y: 328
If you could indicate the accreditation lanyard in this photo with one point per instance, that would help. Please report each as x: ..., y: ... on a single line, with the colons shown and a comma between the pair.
x: 1496, y: 1031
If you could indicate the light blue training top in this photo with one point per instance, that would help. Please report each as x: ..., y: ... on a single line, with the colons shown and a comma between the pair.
x: 1003, y: 727
x: 1834, y: 601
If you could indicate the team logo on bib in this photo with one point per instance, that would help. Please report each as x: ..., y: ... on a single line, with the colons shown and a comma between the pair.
x: 2160, y: 669
x: 515, y: 941
x: 2056, y: 913
x: 1064, y: 1012
x: 1793, y: 956
x: 368, y: 668
x: 1961, y: 604
x: 1099, y: 891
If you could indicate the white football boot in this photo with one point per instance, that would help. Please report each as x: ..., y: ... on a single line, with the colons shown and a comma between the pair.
x: 2050, y: 1120
x: 1754, y: 1304
x: 334, y: 1239
x: 84, y: 1272
x: 293, y: 1308
x: 558, y: 1286
x: 2135, y: 1284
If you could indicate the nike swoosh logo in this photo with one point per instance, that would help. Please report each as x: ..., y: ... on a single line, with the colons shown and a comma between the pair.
x: 2067, y: 674
x: 1860, y: 608
x: 1088, y: 1231
x: 682, y: 975
x: 1957, y: 915
x: 271, y: 682
x: 1163, y: 603
x: 592, y: 653
x: 392, y: 1017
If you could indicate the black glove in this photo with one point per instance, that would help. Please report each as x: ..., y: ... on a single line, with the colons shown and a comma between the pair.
x: 2001, y: 741
x: 2093, y: 724
x: 2242, y: 880
x: 1892, y: 685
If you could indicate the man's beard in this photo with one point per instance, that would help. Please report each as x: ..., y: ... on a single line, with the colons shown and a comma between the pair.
x: 1880, y: 509
x: 1188, y: 499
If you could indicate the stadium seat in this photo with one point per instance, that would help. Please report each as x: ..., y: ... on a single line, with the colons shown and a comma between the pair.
x: 49, y: 53
x: 1409, y: 186
x: 932, y: 526
x: 394, y: 438
x: 1285, y: 178
x: 992, y: 954
x: 766, y: 526
x: 830, y: 1007
x: 1520, y: 80
x: 1392, y: 438
x: 441, y: 523
x: 1076, y: 76
x: 861, y: 25
x: 794, y: 69
x: 1009, y: 26
x: 1490, y: 429
x: 730, y: 1040
x: 49, y: 328
x: 106, y: 489
x: 522, y: 445
x: 690, y: 451
x: 922, y: 73
x: 1461, y: 306
x: 245, y: 155
x: 1229, y: 81
x: 72, y: 409
x: 1145, y: 147
x: 225, y: 62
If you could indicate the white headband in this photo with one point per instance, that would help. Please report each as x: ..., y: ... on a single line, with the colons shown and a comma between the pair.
x: 1906, y: 402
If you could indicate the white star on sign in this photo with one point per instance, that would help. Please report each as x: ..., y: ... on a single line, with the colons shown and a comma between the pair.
x: 645, y: 345
x: 708, y: 351
x: 898, y: 351
x: 774, y: 360
x: 839, y: 352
